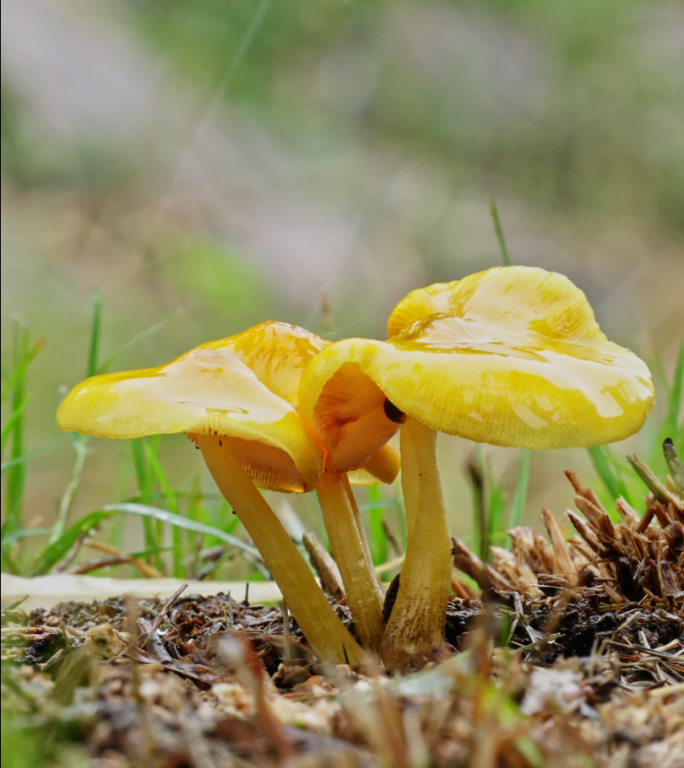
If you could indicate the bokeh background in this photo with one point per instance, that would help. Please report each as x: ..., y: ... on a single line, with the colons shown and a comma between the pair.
x: 312, y: 162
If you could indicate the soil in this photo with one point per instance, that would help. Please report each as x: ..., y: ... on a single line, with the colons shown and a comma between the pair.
x: 147, y: 683
x: 570, y: 654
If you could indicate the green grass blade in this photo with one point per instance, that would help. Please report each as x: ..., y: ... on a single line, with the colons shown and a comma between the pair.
x: 19, y: 372
x: 16, y: 467
x: 520, y: 492
x: 29, y: 456
x: 499, y: 231
x: 659, y: 375
x: 145, y: 481
x: 138, y: 338
x: 607, y: 470
x: 57, y: 550
x: 675, y: 400
x: 222, y: 516
x: 496, y: 506
x: 376, y: 515
x: 177, y: 521
x: 80, y: 443
x: 179, y: 556
x: 479, y: 520
x: 95, y: 334
x: 143, y: 476
x: 232, y: 521
x: 7, y: 430
x: 380, y: 503
x: 145, y: 553
x: 23, y: 533
x: 194, y: 510
x: 150, y: 449
x: 7, y: 564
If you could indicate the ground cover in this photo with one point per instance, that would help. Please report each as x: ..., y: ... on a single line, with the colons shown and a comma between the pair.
x: 557, y: 651
x: 584, y: 668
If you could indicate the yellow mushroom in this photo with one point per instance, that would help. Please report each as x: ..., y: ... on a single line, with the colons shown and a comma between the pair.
x: 512, y: 356
x: 234, y: 398
x: 278, y: 362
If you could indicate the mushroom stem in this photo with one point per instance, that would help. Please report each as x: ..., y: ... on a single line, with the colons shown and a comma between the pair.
x: 350, y: 549
x: 318, y: 621
x: 364, y: 540
x: 409, y: 481
x: 416, y: 626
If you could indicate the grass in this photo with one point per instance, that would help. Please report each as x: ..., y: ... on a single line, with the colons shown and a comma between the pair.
x: 492, y: 515
x: 185, y: 533
x: 376, y: 517
x: 14, y: 391
x: 190, y: 532
x: 387, y: 537
x: 184, y: 530
x: 186, y: 518
x: 80, y: 442
x: 499, y: 231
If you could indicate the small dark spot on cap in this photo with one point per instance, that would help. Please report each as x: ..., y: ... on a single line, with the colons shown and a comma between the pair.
x: 393, y: 413
x: 221, y: 443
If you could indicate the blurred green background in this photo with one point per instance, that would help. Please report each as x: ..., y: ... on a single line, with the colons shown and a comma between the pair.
x: 312, y: 163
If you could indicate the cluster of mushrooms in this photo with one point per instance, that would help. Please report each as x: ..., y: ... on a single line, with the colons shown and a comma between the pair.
x: 511, y: 356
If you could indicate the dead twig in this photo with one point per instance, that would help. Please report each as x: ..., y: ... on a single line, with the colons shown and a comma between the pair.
x: 325, y: 566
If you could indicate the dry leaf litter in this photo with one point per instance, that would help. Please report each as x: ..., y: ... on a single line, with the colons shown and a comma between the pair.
x: 571, y: 654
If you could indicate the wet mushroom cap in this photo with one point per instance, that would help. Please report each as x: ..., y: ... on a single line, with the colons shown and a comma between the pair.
x: 512, y: 356
x: 240, y: 388
x: 278, y: 353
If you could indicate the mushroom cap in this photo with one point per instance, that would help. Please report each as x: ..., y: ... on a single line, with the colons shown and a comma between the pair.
x: 242, y: 387
x: 276, y: 353
x: 511, y: 356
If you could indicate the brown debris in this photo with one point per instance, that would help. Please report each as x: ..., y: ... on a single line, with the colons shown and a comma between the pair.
x: 325, y: 566
x: 116, y: 557
x: 575, y: 658
x: 620, y: 586
x: 483, y: 574
x: 562, y: 560
x: 461, y: 589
